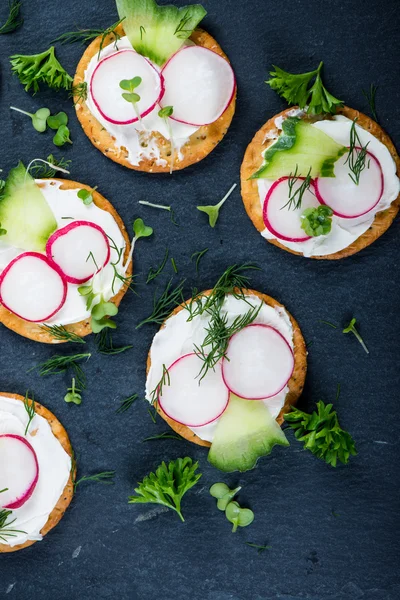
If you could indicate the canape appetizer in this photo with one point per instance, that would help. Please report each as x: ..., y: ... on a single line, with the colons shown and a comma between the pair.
x: 320, y: 180
x: 224, y: 369
x: 36, y: 475
x: 155, y: 94
x: 65, y: 260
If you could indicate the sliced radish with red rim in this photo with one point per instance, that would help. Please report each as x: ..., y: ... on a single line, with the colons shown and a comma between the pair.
x: 107, y: 94
x: 259, y: 362
x: 19, y: 471
x: 190, y: 401
x: 343, y: 196
x: 80, y: 250
x: 32, y: 287
x: 283, y: 221
x: 199, y: 85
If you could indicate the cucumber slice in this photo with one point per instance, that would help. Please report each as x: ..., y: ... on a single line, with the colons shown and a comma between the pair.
x: 245, y: 432
x: 24, y: 212
x: 158, y: 31
x: 299, y: 148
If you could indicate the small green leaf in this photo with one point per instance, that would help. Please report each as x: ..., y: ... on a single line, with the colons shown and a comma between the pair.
x: 131, y: 97
x: 317, y: 221
x: 2, y: 231
x: 39, y: 119
x: 98, y: 325
x: 104, y: 309
x: 219, y: 490
x: 141, y: 230
x: 55, y: 121
x: 86, y: 196
x: 239, y: 517
x: 166, y: 112
x: 213, y: 211
x: 62, y: 136
x: 130, y: 84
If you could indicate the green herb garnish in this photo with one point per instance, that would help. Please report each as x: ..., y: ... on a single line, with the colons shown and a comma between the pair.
x: 105, y: 343
x: 161, y: 207
x: 239, y: 517
x: 158, y: 390
x: 197, y: 256
x: 213, y: 211
x: 296, y: 195
x: 153, y: 414
x: 167, y: 435
x: 223, y: 494
x: 29, y: 405
x: 2, y: 231
x: 60, y: 364
x: 351, y: 328
x: 317, y: 221
x: 296, y: 90
x: 87, y: 195
x: 164, y: 114
x: 321, y: 433
x: 62, y: 136
x: 106, y: 477
x: 73, y: 394
x: 258, y: 547
x: 79, y: 92
x: 126, y: 404
x: 48, y: 167
x: 175, y: 268
x: 6, y: 531
x: 39, y: 118
x: 369, y: 95
x: 162, y: 306
x: 130, y: 85
x: 55, y: 121
x: 168, y: 484
x: 85, y: 36
x: 357, y: 156
x: 153, y: 273
x: 59, y: 332
x: 14, y: 19
x: 32, y: 70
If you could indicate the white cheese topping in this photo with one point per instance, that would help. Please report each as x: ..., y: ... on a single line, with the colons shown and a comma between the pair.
x: 344, y: 231
x: 65, y: 203
x: 179, y: 336
x: 136, y: 138
x: 54, y: 470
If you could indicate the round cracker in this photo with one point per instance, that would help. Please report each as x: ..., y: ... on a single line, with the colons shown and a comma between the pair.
x: 36, y: 332
x: 296, y: 382
x: 65, y: 499
x: 201, y: 143
x: 253, y: 161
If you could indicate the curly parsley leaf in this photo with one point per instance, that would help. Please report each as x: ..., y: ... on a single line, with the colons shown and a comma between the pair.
x: 33, y: 70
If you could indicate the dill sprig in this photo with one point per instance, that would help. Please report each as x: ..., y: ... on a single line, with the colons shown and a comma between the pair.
x: 29, y: 405
x: 59, y: 332
x: 357, y: 156
x: 155, y: 272
x: 258, y: 547
x: 60, y: 364
x: 106, y: 477
x: 127, y: 280
x: 197, y: 256
x: 161, y: 207
x: 167, y: 435
x: 105, y: 344
x: 162, y: 306
x: 175, y: 268
x: 45, y: 169
x: 158, y: 390
x: 79, y: 92
x: 6, y: 531
x: 369, y: 95
x: 296, y: 195
x: 126, y: 404
x: 153, y: 414
x: 14, y: 19
x: 84, y: 36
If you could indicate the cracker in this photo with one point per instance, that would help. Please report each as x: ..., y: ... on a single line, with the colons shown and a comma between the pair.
x: 253, y: 161
x: 36, y: 332
x: 201, y: 143
x: 65, y: 499
x: 296, y: 382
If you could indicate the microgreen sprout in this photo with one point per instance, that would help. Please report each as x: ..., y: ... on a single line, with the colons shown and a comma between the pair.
x: 14, y: 19
x: 29, y: 405
x: 213, y: 211
x: 48, y: 167
x: 39, y: 118
x: 161, y: 207
x: 130, y: 85
x: 62, y: 136
x: 351, y: 328
x: 223, y: 494
x: 239, y: 517
x: 86, y: 196
x: 73, y: 394
x: 317, y: 221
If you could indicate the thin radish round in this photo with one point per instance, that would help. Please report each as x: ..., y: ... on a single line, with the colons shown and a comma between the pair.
x: 19, y: 471
x: 32, y: 288
x: 199, y: 84
x: 258, y: 364
x: 107, y: 94
x: 282, y: 219
x: 190, y: 401
x: 347, y: 199
x: 80, y: 250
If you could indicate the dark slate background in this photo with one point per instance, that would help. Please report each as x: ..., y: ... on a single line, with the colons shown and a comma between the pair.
x: 333, y: 532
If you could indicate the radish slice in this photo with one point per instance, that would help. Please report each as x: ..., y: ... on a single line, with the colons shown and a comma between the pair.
x: 107, y: 94
x: 77, y: 249
x: 199, y: 84
x: 190, y: 401
x: 19, y: 472
x: 279, y: 218
x: 259, y: 362
x: 32, y: 288
x: 343, y: 196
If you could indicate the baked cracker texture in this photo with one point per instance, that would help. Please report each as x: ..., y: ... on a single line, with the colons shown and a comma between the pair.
x: 65, y: 499
x: 36, y: 332
x: 253, y: 161
x: 201, y: 143
x: 296, y: 382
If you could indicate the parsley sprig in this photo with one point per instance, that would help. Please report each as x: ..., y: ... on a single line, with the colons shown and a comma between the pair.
x: 321, y: 433
x: 168, y: 484
x: 33, y: 70
x: 297, y: 89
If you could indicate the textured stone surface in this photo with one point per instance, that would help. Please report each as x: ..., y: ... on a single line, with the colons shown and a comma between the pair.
x: 130, y: 552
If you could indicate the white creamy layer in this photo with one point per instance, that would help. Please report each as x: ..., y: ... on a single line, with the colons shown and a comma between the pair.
x: 179, y: 336
x: 54, y: 470
x: 344, y: 231
x: 136, y: 137
x: 65, y: 203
